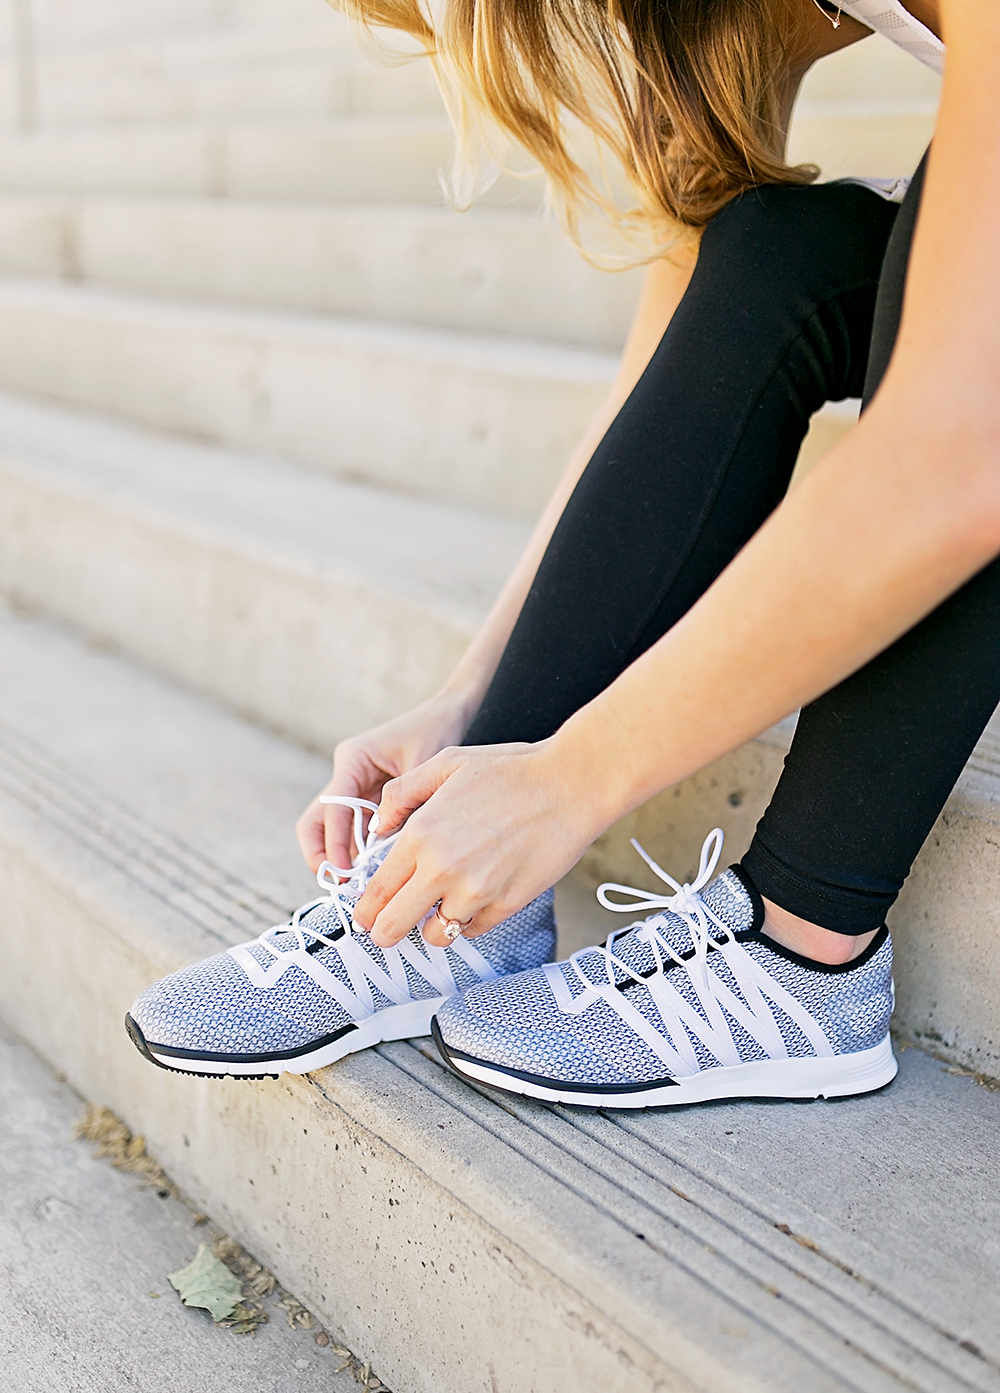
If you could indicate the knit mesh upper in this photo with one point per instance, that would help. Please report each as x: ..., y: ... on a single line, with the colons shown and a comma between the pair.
x: 214, y: 1006
x: 517, y: 1023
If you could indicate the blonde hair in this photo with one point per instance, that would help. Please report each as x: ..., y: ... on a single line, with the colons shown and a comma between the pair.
x: 685, y: 94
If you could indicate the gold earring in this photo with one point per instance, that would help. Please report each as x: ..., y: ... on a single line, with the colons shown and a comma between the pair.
x: 834, y: 19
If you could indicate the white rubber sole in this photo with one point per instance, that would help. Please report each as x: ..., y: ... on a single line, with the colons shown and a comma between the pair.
x: 403, y: 1022
x: 836, y: 1077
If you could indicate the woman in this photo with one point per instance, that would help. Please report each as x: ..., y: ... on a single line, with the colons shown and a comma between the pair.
x: 673, y: 603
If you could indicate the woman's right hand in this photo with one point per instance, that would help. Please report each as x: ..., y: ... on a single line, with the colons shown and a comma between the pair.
x: 363, y: 764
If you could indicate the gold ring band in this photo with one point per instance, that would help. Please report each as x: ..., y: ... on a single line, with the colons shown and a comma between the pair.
x: 451, y: 928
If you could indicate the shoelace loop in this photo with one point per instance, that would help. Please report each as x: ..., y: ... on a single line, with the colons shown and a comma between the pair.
x: 385, y: 968
x: 685, y: 898
x: 686, y: 902
x: 747, y: 1002
x: 332, y: 878
x: 364, y: 842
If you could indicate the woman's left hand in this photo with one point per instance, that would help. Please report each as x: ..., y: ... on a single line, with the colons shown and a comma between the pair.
x: 487, y: 828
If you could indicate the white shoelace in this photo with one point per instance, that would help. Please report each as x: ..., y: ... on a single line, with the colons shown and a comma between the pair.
x: 433, y: 964
x: 680, y: 1018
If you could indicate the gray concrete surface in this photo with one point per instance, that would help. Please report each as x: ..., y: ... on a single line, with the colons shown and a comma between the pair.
x: 241, y: 578
x: 745, y: 1248
x: 491, y: 271
x: 85, y: 1306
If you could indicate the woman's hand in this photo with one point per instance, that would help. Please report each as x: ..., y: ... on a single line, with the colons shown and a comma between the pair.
x: 363, y: 765
x: 485, y: 830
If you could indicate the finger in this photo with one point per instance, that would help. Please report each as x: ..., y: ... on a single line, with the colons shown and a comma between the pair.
x: 394, y: 872
x: 311, y: 834
x: 411, y: 903
x: 482, y: 922
x: 403, y: 796
x: 338, y: 834
x: 434, y: 933
x: 353, y: 777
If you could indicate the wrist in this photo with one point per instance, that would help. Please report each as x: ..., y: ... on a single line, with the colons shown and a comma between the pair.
x: 461, y: 698
x: 579, y: 768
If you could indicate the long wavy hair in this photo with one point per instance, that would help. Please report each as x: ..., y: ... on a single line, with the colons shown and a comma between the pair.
x: 686, y: 95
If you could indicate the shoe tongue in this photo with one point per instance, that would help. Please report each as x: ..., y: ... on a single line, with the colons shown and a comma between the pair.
x: 730, y: 899
x: 726, y: 897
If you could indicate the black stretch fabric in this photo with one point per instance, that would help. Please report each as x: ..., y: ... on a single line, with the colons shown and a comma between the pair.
x: 776, y: 321
x: 779, y: 318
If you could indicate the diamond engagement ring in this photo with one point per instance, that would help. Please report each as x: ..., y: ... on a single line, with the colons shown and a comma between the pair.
x: 451, y: 928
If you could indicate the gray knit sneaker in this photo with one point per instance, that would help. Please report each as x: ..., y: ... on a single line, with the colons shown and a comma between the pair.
x: 691, y: 1004
x: 308, y: 992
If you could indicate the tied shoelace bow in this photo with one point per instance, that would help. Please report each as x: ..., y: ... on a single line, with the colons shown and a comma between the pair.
x: 749, y: 1005
x: 686, y: 902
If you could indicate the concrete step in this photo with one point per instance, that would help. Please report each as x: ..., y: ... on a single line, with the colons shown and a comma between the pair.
x: 867, y: 138
x: 87, y: 1250
x: 355, y: 160
x: 868, y: 110
x: 873, y: 70
x: 368, y: 159
x: 292, y: 70
x: 491, y: 271
x: 316, y: 31
x: 72, y: 25
x: 305, y: 69
x: 319, y: 71
x: 231, y: 573
x: 305, y: 90
x: 468, y: 419
x: 741, y: 1248
x: 318, y: 607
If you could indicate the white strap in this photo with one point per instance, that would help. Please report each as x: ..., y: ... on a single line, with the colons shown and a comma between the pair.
x: 433, y: 965
x: 889, y: 17
x: 708, y: 1018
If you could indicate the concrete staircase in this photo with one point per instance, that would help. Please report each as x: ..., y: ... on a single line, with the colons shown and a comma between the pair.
x: 457, y: 1239
x: 274, y: 423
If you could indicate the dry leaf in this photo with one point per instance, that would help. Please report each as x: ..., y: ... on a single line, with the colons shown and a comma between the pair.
x: 208, y: 1283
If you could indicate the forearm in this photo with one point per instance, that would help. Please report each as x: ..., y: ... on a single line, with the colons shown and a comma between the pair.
x: 875, y: 538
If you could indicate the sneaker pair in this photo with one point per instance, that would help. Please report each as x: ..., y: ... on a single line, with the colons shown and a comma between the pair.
x: 692, y: 1003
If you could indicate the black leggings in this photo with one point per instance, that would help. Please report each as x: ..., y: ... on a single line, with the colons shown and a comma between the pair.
x: 795, y: 301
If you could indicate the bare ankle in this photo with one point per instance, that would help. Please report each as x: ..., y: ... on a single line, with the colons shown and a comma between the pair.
x: 811, y: 940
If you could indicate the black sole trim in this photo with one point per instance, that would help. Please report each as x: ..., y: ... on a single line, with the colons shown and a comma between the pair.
x: 443, y: 1051
x: 139, y: 1040
x: 279, y: 1057
x: 742, y: 936
x: 449, y: 1056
